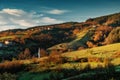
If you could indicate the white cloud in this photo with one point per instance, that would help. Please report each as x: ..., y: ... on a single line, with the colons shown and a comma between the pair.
x: 22, y: 22
x: 57, y: 11
x: 14, y: 12
x: 6, y: 27
x: 49, y: 20
x: 17, y: 18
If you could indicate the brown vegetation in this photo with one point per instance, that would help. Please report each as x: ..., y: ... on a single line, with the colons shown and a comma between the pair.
x: 12, y: 66
x: 94, y: 59
x: 101, y: 33
x: 114, y: 36
x: 116, y: 55
x: 90, y: 44
x: 75, y: 31
x: 56, y: 58
x: 25, y: 55
x: 43, y: 53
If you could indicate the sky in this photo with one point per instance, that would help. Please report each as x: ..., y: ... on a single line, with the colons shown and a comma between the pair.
x: 28, y: 13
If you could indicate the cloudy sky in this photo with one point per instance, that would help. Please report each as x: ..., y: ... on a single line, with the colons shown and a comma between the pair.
x: 29, y: 13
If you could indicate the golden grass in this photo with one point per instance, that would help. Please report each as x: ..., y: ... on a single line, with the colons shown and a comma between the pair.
x: 103, y: 51
x: 116, y: 61
x: 79, y: 36
x: 82, y: 66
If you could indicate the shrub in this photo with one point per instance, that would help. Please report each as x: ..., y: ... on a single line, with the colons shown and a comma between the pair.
x: 90, y: 44
x: 8, y: 76
x: 25, y: 55
x: 94, y: 59
x: 75, y: 31
x: 55, y: 57
x: 13, y: 66
x: 116, y: 55
x: 43, y: 53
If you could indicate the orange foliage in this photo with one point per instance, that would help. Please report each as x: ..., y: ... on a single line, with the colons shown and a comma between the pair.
x: 25, y: 55
x: 101, y: 33
x: 75, y: 31
x: 12, y: 66
x: 55, y: 57
x: 117, y: 54
x: 94, y: 59
x: 43, y: 53
x: 90, y: 44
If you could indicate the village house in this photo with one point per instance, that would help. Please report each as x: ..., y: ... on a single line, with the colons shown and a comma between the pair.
x: 8, y: 43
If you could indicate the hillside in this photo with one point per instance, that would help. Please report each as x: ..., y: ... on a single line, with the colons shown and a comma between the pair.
x: 100, y: 62
x: 68, y: 36
x: 80, y: 40
x: 107, y: 51
x: 68, y: 51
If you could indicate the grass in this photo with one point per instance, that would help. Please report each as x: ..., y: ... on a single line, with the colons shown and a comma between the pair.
x: 10, y: 37
x: 32, y: 76
x: 6, y: 37
x: 35, y: 73
x: 103, y: 51
x: 81, y: 38
x: 116, y: 61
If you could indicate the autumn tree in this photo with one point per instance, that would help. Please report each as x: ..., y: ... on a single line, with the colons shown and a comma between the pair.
x: 55, y: 57
x: 75, y: 31
x: 43, y: 53
x: 21, y: 55
x: 25, y: 55
x: 90, y: 44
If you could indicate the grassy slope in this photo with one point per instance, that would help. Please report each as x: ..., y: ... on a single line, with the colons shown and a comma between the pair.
x: 103, y: 51
x: 80, y: 40
x: 79, y: 36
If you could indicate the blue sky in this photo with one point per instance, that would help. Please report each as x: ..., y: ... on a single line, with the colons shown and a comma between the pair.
x: 29, y: 13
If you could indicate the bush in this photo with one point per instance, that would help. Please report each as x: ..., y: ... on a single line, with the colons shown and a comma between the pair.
x: 7, y: 76
x: 25, y: 55
x: 13, y: 66
x: 56, y: 58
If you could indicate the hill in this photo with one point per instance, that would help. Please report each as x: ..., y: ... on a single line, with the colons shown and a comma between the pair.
x: 68, y: 36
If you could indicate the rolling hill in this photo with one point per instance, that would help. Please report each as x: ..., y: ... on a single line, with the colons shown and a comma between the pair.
x: 66, y: 37
x: 69, y: 51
